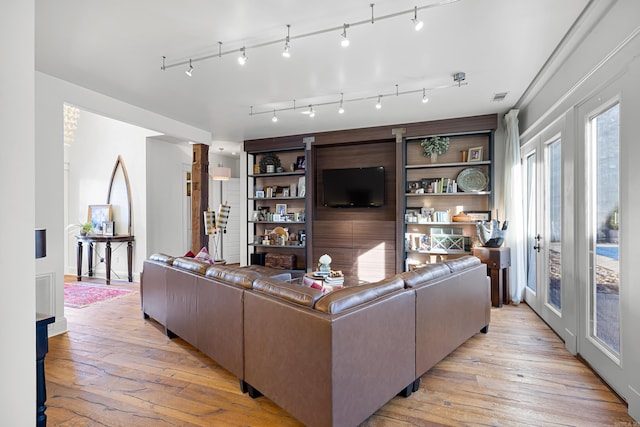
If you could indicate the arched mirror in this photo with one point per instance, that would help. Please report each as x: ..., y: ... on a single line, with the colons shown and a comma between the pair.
x: 119, y: 197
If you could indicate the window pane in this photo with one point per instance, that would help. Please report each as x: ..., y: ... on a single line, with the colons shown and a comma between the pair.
x: 605, y: 313
x: 531, y: 222
x: 554, y: 224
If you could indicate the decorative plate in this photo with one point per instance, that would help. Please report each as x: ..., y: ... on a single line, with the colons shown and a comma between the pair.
x: 269, y: 159
x: 472, y: 179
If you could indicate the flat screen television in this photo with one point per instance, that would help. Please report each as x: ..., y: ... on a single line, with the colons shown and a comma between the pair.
x: 353, y: 187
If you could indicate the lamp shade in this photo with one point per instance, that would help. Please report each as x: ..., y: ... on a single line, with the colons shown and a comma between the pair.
x: 41, y: 243
x: 220, y: 174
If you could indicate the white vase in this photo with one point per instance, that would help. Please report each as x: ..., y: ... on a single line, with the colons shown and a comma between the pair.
x: 434, y: 157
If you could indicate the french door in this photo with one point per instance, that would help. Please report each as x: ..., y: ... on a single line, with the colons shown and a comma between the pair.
x: 543, y: 182
x: 600, y: 341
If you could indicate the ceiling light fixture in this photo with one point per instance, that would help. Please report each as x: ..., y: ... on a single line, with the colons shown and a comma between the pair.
x: 341, y: 101
x: 286, y: 52
x: 274, y: 118
x: 379, y: 103
x: 312, y: 113
x: 189, y: 71
x: 345, y: 40
x: 459, y: 78
x: 424, y: 96
x: 413, y: 12
x: 417, y: 24
x: 242, y: 59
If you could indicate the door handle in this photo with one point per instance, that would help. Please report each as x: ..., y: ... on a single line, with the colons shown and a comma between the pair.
x: 537, y: 246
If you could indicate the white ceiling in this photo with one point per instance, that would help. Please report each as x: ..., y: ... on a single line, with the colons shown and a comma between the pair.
x: 116, y: 47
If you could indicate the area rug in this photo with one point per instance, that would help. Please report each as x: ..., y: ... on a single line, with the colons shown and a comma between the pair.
x: 80, y: 295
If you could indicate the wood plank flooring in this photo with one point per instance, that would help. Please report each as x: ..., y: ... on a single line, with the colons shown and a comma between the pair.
x: 113, y: 368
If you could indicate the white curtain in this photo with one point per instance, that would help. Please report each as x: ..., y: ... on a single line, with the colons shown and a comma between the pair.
x: 514, y: 208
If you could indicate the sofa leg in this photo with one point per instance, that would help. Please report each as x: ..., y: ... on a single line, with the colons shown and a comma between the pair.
x: 170, y: 334
x: 145, y: 316
x: 416, y: 384
x: 244, y: 387
x: 485, y: 329
x: 406, y: 392
x: 253, y: 393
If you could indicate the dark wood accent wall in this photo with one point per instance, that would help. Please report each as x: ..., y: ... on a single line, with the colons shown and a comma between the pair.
x: 361, y: 241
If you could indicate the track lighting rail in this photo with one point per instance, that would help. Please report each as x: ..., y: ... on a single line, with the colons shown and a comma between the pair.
x: 413, y: 12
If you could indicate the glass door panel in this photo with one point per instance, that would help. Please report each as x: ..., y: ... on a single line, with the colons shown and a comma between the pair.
x: 531, y: 221
x: 604, y: 313
x: 554, y: 224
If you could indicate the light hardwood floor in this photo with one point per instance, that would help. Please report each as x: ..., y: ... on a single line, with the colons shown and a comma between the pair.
x: 113, y: 368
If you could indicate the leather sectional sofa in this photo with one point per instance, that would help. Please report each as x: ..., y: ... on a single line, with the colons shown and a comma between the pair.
x: 329, y: 360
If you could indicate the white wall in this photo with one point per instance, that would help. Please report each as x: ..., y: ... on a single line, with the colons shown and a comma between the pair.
x: 51, y: 93
x: 17, y: 216
x: 97, y: 144
x: 609, y: 54
x: 165, y: 195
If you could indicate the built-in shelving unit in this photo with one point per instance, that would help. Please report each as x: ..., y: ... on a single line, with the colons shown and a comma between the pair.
x: 276, y: 205
x: 433, y: 196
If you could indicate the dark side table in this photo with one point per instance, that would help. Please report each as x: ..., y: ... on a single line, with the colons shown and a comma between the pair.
x: 91, y: 240
x: 498, y: 260
x: 42, y: 347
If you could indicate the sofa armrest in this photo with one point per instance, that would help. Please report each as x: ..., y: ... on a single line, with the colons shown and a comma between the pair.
x: 287, y: 291
x: 352, y: 296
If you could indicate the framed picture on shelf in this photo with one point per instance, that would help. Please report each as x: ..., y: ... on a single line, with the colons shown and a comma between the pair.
x: 285, y: 192
x: 107, y: 228
x: 260, y: 194
x: 479, y: 215
x: 281, y: 208
x: 475, y: 154
x: 97, y: 215
x: 301, y: 163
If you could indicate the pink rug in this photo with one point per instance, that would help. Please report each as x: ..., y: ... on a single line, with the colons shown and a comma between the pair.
x: 79, y: 295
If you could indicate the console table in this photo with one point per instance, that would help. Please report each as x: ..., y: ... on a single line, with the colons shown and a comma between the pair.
x: 498, y: 260
x: 91, y: 240
x: 42, y: 347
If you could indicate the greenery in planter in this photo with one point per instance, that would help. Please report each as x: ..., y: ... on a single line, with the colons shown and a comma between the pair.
x: 434, y: 145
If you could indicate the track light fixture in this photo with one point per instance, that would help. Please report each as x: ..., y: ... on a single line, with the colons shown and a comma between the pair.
x: 189, y: 71
x: 242, y: 59
x: 345, y: 39
x: 417, y: 24
x: 287, y: 41
x: 458, y: 81
x: 424, y: 96
x: 286, y: 52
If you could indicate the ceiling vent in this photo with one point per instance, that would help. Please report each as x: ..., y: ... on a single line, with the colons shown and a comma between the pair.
x: 497, y: 97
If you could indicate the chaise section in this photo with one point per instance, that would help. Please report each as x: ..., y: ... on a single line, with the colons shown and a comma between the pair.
x: 449, y: 310
x: 333, y: 367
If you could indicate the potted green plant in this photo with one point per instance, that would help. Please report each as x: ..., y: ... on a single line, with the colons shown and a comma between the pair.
x: 433, y: 146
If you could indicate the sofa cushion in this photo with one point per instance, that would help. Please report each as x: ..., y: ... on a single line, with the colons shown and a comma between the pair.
x: 234, y: 275
x: 269, y: 272
x: 343, y: 299
x: 287, y: 291
x: 191, y: 264
x: 463, y: 263
x: 424, y: 274
x: 159, y: 257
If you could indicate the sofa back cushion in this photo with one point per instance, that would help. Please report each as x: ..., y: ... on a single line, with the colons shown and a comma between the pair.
x: 424, y: 274
x: 233, y: 275
x: 287, y: 291
x: 159, y: 257
x: 462, y: 263
x: 269, y: 272
x: 343, y: 299
x: 191, y: 264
